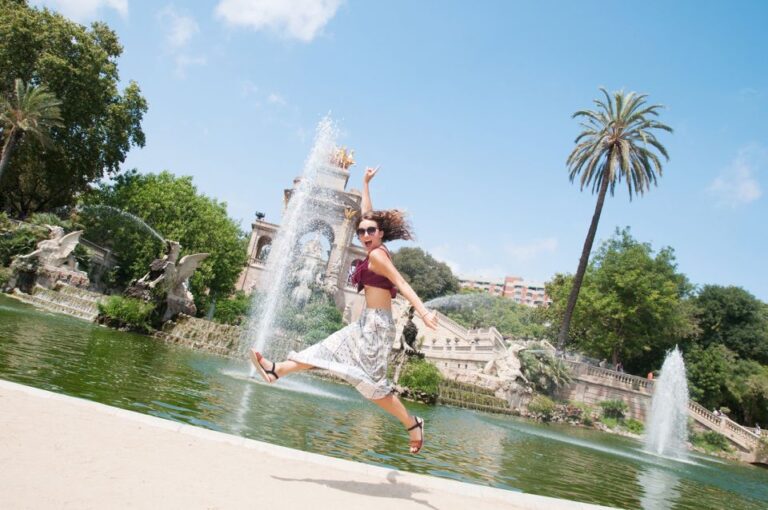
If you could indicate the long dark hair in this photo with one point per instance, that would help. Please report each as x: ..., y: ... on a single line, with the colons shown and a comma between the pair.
x: 392, y: 222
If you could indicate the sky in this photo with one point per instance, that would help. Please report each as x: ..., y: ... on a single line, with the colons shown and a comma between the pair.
x: 467, y: 108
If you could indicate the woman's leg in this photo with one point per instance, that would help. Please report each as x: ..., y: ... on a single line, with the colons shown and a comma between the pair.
x: 282, y: 368
x: 393, y: 406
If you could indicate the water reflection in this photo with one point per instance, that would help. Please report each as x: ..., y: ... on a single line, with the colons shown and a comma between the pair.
x: 141, y: 374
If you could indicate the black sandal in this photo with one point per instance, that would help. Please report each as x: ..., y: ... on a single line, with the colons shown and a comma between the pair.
x: 415, y: 444
x: 256, y: 358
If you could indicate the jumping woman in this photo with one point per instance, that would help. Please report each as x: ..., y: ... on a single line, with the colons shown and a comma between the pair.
x: 358, y: 352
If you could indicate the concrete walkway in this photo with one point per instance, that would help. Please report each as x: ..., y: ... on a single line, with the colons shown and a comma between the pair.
x: 64, y: 452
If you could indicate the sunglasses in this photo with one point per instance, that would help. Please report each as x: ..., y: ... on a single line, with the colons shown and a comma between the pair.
x: 370, y: 231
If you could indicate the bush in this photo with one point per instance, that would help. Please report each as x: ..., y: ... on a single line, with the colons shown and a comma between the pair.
x: 710, y: 441
x: 634, y: 426
x: 232, y: 310
x: 614, y: 408
x: 609, y: 422
x: 19, y: 241
x: 5, y: 275
x: 127, y: 312
x: 421, y: 375
x: 543, y: 406
x: 587, y: 414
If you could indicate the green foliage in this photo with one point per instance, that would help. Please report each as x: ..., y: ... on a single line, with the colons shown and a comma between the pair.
x: 19, y: 241
x: 587, y: 414
x: 100, y: 124
x: 710, y: 441
x: 172, y: 206
x: 5, y: 275
x: 634, y: 426
x: 609, y: 421
x: 632, y: 305
x: 543, y: 370
x: 510, y: 318
x: 734, y: 318
x: 419, y: 374
x: 233, y: 309
x: 718, y: 377
x: 428, y: 277
x: 543, y: 406
x: 123, y: 311
x: 614, y: 408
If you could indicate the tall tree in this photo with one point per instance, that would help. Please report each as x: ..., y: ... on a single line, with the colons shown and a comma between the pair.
x: 430, y: 278
x: 32, y: 111
x: 633, y: 306
x: 617, y: 142
x: 100, y: 123
x: 174, y: 207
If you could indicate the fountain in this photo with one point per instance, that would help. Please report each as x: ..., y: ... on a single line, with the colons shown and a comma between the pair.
x: 667, y: 426
x: 298, y: 219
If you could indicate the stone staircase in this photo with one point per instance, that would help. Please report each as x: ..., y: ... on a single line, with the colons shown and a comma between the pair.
x: 201, y: 334
x: 65, y: 299
x: 638, y: 391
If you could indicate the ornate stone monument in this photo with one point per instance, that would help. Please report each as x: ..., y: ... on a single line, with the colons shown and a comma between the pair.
x: 51, y: 263
x: 166, y: 283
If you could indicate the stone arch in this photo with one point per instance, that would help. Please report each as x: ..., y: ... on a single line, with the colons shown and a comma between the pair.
x: 263, y: 248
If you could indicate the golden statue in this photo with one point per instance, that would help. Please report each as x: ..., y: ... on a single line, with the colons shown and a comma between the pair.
x: 343, y: 158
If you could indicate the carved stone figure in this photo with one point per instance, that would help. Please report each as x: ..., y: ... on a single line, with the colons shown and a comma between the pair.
x: 166, y: 282
x: 410, y: 331
x: 53, y: 261
x: 56, y: 251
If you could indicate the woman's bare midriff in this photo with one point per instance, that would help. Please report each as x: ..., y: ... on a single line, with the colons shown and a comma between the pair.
x: 377, y: 298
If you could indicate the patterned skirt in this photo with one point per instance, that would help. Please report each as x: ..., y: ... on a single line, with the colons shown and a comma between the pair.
x: 357, y: 353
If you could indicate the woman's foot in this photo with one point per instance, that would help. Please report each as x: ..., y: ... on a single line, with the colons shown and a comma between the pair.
x: 417, y: 435
x: 265, y: 368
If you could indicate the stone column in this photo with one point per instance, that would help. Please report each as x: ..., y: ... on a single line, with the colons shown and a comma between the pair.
x: 338, y: 252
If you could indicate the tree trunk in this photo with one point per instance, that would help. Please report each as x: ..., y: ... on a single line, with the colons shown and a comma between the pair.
x: 574, y: 295
x: 14, y: 137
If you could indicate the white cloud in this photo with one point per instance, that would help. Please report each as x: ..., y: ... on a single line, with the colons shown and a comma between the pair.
x: 297, y: 19
x: 737, y: 185
x: 183, y: 62
x: 526, y: 252
x: 83, y: 10
x: 180, y: 28
x: 276, y: 99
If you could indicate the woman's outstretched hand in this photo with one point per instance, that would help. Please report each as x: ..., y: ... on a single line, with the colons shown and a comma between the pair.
x: 369, y: 173
x: 430, y: 319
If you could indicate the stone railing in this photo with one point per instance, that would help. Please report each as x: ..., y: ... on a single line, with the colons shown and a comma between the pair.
x: 742, y: 436
x: 632, y: 382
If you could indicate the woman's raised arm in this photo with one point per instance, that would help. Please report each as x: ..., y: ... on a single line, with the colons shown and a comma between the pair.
x: 366, y: 205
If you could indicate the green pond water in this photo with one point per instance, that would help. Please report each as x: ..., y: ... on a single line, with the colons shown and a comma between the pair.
x: 138, y: 373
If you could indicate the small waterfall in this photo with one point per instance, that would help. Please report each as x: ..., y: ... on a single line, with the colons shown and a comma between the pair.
x: 298, y: 219
x: 667, y: 428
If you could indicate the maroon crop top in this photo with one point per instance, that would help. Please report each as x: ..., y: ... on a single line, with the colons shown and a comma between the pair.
x: 364, y: 276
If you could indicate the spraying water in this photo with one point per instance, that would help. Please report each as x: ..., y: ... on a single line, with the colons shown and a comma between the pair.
x: 298, y: 218
x: 667, y: 430
x: 457, y: 302
x: 124, y: 214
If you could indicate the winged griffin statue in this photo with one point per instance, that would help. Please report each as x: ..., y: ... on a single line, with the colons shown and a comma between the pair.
x: 56, y: 251
x: 167, y: 281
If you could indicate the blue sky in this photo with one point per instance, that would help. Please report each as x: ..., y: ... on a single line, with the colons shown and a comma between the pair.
x: 467, y: 108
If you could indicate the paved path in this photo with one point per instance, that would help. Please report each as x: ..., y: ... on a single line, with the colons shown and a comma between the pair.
x: 67, y: 453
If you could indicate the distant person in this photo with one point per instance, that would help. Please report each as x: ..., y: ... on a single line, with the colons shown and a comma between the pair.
x: 716, y: 412
x: 757, y: 430
x: 619, y: 367
x: 602, y: 363
x: 650, y: 375
x: 358, y: 352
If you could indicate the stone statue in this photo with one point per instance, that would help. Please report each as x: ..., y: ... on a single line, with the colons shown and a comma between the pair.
x: 56, y: 251
x: 507, y: 366
x: 166, y: 282
x: 52, y: 262
x: 410, y: 331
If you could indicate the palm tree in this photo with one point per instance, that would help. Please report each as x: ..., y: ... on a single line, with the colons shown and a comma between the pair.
x: 32, y: 110
x: 617, y: 143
